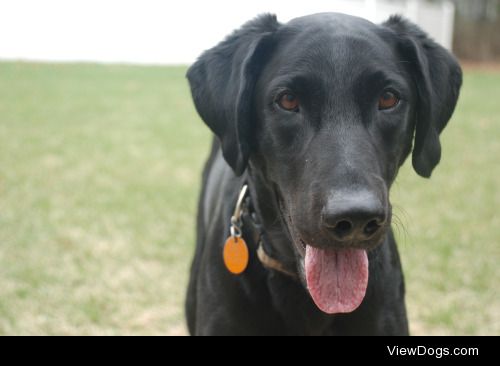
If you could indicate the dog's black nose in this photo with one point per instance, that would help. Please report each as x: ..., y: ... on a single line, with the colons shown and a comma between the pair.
x: 354, y: 216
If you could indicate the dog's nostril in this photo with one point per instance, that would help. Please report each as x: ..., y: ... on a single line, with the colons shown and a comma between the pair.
x: 343, y: 228
x: 371, y: 228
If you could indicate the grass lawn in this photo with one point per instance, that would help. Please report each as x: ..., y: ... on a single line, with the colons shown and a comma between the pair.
x: 99, y: 177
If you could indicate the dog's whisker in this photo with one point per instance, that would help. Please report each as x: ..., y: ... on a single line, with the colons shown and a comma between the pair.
x: 400, y: 227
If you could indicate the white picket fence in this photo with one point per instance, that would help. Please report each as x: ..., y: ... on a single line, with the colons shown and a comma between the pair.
x: 167, y: 31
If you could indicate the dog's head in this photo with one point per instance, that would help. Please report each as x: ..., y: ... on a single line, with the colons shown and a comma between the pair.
x: 327, y: 108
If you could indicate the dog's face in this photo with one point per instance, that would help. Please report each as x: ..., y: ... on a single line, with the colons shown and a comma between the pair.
x: 334, y: 123
x: 326, y: 109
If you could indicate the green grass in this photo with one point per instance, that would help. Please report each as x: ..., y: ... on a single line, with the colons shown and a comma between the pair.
x: 99, y: 177
x: 451, y: 251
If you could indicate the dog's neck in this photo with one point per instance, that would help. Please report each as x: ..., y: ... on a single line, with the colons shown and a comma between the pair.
x: 276, y: 238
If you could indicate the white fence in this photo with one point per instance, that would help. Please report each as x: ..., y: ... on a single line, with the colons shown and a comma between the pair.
x: 166, y: 32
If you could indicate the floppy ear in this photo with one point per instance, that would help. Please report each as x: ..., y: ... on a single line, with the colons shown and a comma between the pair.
x: 438, y: 78
x: 222, y: 84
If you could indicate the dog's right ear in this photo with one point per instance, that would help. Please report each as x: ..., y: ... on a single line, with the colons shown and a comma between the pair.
x: 222, y: 84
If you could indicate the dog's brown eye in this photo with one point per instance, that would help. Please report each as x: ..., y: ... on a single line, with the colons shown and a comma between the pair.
x: 289, y: 102
x: 387, y: 100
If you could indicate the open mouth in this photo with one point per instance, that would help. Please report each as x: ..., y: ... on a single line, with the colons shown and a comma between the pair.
x: 337, y: 279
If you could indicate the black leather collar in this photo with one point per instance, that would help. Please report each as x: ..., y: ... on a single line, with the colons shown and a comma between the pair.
x: 253, y: 229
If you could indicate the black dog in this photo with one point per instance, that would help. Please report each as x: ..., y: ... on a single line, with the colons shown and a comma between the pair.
x: 316, y: 116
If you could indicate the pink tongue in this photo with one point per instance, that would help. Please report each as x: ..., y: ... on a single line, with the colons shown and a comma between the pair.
x: 337, y: 279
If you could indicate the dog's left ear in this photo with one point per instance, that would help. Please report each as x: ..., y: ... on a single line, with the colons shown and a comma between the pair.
x: 222, y: 84
x: 438, y: 77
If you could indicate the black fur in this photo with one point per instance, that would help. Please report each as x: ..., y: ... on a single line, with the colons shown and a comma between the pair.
x: 222, y: 82
x: 338, y: 146
x: 438, y: 78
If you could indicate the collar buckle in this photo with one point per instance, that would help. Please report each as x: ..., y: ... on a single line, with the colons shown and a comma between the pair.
x: 236, y: 222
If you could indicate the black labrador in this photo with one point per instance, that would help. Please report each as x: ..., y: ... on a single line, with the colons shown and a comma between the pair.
x: 316, y: 116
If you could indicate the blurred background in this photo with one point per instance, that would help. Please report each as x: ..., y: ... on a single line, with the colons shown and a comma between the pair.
x: 158, y: 32
x: 101, y: 154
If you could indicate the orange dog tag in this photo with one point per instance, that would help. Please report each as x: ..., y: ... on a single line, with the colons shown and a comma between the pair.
x: 236, y: 255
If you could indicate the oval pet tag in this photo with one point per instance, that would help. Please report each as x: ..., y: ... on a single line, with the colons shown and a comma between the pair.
x: 236, y: 255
